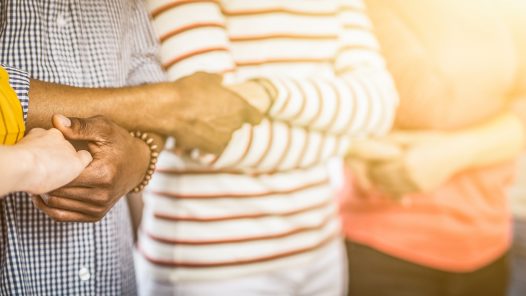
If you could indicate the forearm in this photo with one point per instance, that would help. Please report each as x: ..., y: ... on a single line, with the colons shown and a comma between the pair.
x: 127, y: 106
x: 498, y: 140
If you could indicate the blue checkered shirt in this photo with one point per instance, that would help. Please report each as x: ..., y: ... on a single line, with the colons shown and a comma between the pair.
x: 88, y: 43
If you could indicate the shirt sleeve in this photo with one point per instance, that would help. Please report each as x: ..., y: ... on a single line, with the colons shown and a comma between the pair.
x: 19, y: 82
x: 312, y: 118
x: 12, y: 106
x: 145, y: 65
x: 275, y: 145
x: 360, y: 100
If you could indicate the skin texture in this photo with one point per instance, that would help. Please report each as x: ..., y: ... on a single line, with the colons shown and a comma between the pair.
x: 197, y: 110
x: 454, y: 92
x: 92, y: 194
x: 40, y: 162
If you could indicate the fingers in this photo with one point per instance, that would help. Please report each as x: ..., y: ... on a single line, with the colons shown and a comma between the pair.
x: 72, y: 192
x: 96, y: 174
x: 410, y: 138
x: 60, y: 121
x: 84, y: 157
x: 204, y: 137
x: 61, y: 215
x: 252, y: 116
x: 361, y: 175
x: 36, y: 131
x: 374, y: 150
x: 72, y: 205
x: 391, y: 178
x: 81, y: 129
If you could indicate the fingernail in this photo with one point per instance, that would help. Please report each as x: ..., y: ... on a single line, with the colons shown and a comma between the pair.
x: 64, y: 120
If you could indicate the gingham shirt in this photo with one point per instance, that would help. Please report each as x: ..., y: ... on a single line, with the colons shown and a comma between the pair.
x: 89, y: 43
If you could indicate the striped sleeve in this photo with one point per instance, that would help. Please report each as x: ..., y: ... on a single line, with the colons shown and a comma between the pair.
x: 277, y: 146
x: 192, y: 35
x: 360, y: 100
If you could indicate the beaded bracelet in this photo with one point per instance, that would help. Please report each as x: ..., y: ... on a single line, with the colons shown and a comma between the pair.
x: 154, y: 154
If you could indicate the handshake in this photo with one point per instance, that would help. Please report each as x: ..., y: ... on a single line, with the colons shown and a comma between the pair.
x: 402, y: 163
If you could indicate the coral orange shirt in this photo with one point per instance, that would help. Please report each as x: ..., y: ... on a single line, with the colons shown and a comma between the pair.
x: 460, y: 227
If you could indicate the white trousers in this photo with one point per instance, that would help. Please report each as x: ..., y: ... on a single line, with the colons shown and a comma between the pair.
x: 326, y: 276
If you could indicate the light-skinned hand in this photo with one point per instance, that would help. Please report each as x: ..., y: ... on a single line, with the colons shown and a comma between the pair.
x: 52, y: 160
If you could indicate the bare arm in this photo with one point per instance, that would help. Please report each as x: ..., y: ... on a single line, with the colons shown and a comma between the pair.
x: 196, y: 110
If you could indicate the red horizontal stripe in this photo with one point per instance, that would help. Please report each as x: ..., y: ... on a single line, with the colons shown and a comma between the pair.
x: 244, y: 195
x: 283, y: 36
x: 243, y: 216
x: 189, y: 264
x: 283, y: 60
x: 276, y: 10
x: 154, y: 13
x: 185, y: 172
x: 295, y: 231
x: 193, y: 53
x: 190, y: 27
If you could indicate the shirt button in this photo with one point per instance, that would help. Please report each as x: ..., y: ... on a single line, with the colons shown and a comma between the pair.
x: 84, y: 274
x: 61, y: 20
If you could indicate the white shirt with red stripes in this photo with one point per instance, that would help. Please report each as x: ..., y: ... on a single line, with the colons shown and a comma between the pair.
x: 266, y: 203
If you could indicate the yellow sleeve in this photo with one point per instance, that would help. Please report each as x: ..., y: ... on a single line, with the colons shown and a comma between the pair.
x: 12, y: 126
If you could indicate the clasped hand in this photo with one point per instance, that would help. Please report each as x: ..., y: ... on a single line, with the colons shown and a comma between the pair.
x: 119, y: 164
x: 401, y: 163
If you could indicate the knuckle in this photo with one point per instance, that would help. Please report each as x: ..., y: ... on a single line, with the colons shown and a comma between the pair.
x: 55, y: 132
x: 107, y: 175
x: 59, y: 217
x: 100, y: 199
x: 36, y: 130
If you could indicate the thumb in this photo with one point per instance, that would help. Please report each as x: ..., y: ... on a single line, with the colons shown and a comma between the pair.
x: 76, y: 129
x: 84, y: 157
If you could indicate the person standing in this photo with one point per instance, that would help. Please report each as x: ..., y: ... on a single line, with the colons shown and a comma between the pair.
x: 447, y: 229
x: 261, y: 219
x: 82, y: 59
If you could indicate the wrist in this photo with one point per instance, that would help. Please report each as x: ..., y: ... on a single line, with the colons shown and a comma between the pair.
x: 22, y: 167
x: 151, y: 150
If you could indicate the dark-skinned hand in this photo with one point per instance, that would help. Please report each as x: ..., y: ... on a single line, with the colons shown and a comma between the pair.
x: 119, y: 164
